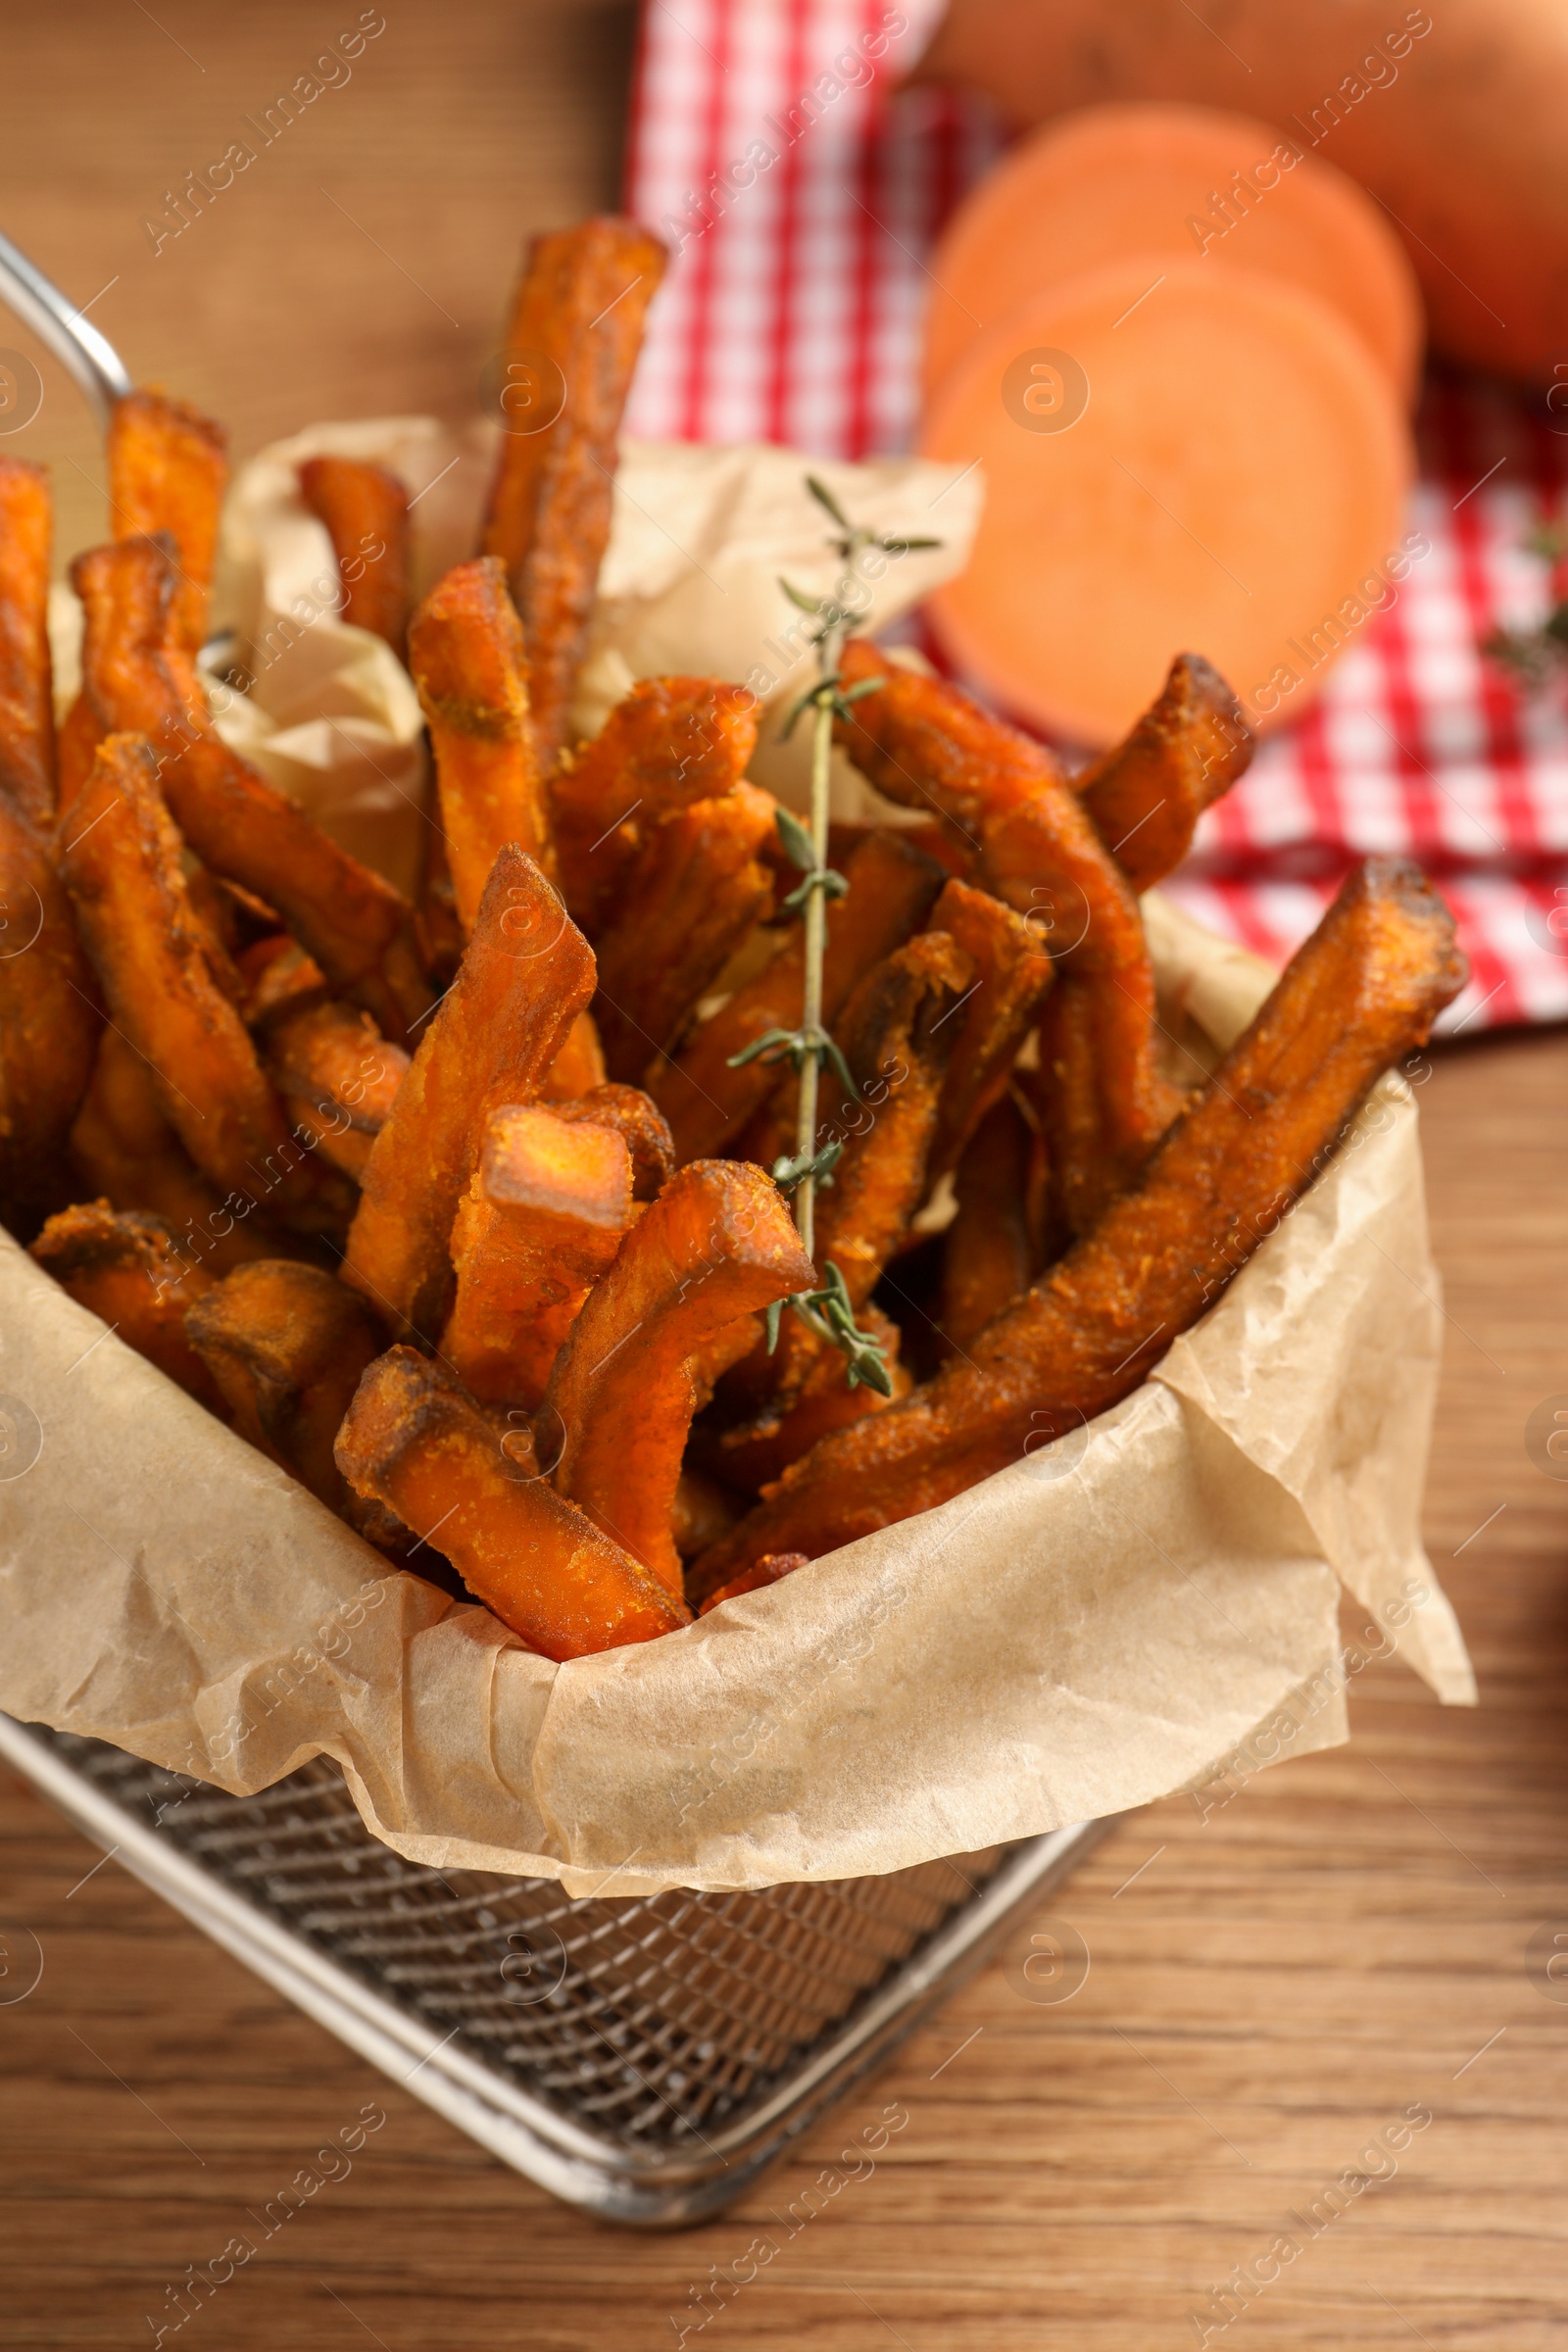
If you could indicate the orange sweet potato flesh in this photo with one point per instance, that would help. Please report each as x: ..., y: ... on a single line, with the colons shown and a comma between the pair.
x: 1363, y: 991
x: 1145, y: 797
x: 540, y: 1222
x: 286, y: 1345
x: 576, y: 330
x: 526, y: 975
x: 337, y: 1075
x: 120, y: 860
x: 1012, y: 973
x: 167, y: 466
x: 716, y: 1245
x: 137, y: 678
x: 987, y: 1251
x: 696, y: 888
x: 26, y: 700
x: 466, y: 654
x: 128, y: 1269
x: 49, y: 1022
x: 706, y: 1102
x: 366, y: 510
x: 670, y: 742
x: 415, y: 1442
x: 638, y: 1120
x: 579, y: 1067
x: 770, y: 1570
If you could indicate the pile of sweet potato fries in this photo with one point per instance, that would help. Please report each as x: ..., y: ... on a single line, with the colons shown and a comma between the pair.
x: 470, y: 1212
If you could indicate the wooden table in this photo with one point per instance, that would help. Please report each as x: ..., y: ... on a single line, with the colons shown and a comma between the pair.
x: 1271, y: 1987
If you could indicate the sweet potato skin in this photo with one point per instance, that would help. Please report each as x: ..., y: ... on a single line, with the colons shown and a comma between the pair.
x: 167, y: 467
x: 26, y: 700
x: 128, y: 1269
x: 415, y: 1442
x: 364, y: 509
x: 286, y: 1345
x: 527, y: 973
x: 1362, y: 990
x: 1145, y: 796
x: 49, y: 1022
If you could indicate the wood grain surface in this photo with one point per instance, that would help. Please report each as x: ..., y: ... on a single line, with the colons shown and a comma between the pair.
x: 1276, y: 1986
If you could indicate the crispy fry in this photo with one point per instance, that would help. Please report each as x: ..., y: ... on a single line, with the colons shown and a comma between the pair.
x: 769, y: 1570
x: 26, y: 689
x: 540, y: 1222
x: 337, y: 1075
x: 414, y: 1442
x: 286, y: 1345
x: 670, y: 742
x: 356, y: 925
x: 716, y: 1245
x: 696, y: 888
x: 366, y: 510
x: 925, y: 744
x: 641, y: 1124
x: 986, y: 1256
x: 1362, y: 992
x: 122, y: 866
x: 1012, y: 975
x: 1145, y: 796
x: 49, y: 1022
x: 128, y: 1269
x: 707, y: 1101
x: 167, y: 466
x: 571, y: 345
x: 579, y: 1067
x: 527, y: 974
x: 466, y: 654
x: 76, y: 749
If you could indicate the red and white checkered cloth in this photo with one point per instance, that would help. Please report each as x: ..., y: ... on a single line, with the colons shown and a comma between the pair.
x: 802, y: 195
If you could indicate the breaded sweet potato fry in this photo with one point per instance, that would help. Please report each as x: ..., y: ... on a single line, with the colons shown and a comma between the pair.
x: 696, y: 888
x: 128, y: 1269
x: 716, y: 1245
x: 466, y: 654
x: 527, y: 973
x: 579, y: 1067
x: 1363, y: 991
x: 670, y: 742
x: 414, y: 1442
x: 707, y: 1101
x: 167, y: 467
x: 366, y: 510
x: 76, y: 742
x: 337, y: 1075
x: 139, y: 678
x: 986, y: 1253
x: 926, y: 745
x: 49, y: 1022
x: 1146, y: 794
x: 1012, y: 974
x: 121, y: 865
x: 27, y: 690
x: 572, y: 344
x: 640, y: 1123
x: 540, y: 1222
x: 286, y: 1344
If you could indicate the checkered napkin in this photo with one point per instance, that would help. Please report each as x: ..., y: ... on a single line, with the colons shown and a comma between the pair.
x: 801, y: 197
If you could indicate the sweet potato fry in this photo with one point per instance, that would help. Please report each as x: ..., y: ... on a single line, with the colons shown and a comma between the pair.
x: 167, y: 466
x: 1145, y: 796
x: 120, y: 863
x: 139, y: 678
x: 414, y: 1442
x: 366, y: 510
x: 571, y: 345
x: 540, y: 1222
x: 696, y: 888
x: 579, y: 1067
x: 49, y: 1022
x: 337, y: 1075
x: 128, y: 1269
x: 769, y: 1570
x: 987, y: 1257
x: 707, y: 1101
x: 640, y: 1123
x: 527, y: 974
x: 286, y: 1345
x: 716, y: 1245
x: 466, y: 654
x: 1363, y: 991
x: 1012, y: 975
x: 77, y: 743
x: 26, y: 695
x: 670, y: 742
x: 703, y: 1512
x: 926, y: 745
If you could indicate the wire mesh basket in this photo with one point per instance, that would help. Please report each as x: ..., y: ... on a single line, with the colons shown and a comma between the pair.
x: 641, y: 2056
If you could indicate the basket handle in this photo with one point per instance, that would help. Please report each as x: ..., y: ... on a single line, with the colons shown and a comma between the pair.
x: 74, y: 341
